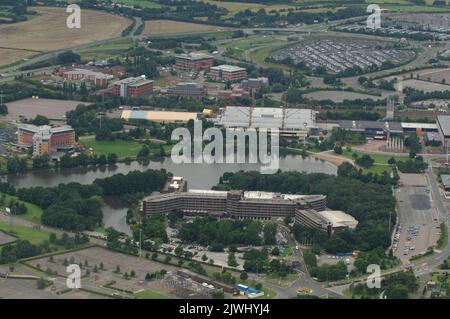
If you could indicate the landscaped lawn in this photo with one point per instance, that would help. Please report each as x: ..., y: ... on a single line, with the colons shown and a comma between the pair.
x: 380, y: 164
x: 379, y: 158
x: 25, y: 233
x: 147, y: 294
x: 34, y: 213
x: 121, y: 148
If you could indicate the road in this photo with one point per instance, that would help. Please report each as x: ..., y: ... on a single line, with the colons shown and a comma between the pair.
x: 305, y: 281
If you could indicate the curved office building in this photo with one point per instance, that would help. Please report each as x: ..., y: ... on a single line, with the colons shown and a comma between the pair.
x: 234, y: 204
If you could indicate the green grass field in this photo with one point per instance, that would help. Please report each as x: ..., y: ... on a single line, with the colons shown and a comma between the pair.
x: 121, y: 148
x: 147, y: 294
x: 107, y: 50
x: 381, y: 161
x: 34, y: 213
x: 34, y: 236
x: 121, y: 44
x: 443, y: 239
x: 259, y: 55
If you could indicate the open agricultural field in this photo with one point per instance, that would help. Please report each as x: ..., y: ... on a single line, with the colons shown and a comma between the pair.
x: 48, y: 30
x: 439, y: 75
x: 29, y: 108
x: 415, y: 8
x: 155, y: 27
x: 8, y: 56
x: 282, y: 8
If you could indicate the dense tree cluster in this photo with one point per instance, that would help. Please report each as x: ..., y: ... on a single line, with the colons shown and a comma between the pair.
x: 13, y: 11
x: 258, y: 261
x: 345, y: 136
x: 412, y: 95
x: 396, y: 286
x: 24, y: 249
x: 416, y: 165
x: 67, y: 57
x: 152, y: 228
x: 68, y: 206
x: 84, y: 120
x: 83, y: 160
x: 220, y: 233
x: 115, y: 242
x: 324, y: 272
x: 133, y: 182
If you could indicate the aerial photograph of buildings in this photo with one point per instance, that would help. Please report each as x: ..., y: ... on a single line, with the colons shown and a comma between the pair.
x: 225, y: 151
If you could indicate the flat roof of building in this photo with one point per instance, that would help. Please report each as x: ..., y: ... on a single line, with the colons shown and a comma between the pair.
x: 194, y: 56
x: 192, y: 85
x: 45, y: 128
x: 248, y: 195
x: 228, y: 68
x: 207, y: 191
x: 339, y: 218
x: 159, y: 116
x: 137, y: 81
x: 267, y: 117
x: 88, y: 72
x: 424, y: 126
x: 443, y: 121
x: 445, y: 178
x: 361, y: 126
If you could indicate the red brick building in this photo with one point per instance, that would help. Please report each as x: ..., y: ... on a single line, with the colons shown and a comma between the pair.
x: 193, y: 62
x: 46, y: 139
x: 228, y: 73
x: 188, y: 89
x: 133, y: 87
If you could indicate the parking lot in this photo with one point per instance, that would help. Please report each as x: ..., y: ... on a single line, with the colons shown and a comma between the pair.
x: 96, y: 280
x: 418, y: 226
x: 332, y: 260
x: 340, y: 55
x: 29, y: 108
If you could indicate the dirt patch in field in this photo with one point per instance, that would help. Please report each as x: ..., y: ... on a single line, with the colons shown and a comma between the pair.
x: 48, y: 31
x: 156, y: 27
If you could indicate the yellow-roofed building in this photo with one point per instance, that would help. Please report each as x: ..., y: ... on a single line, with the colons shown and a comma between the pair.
x: 159, y: 116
